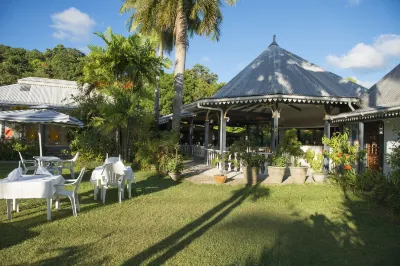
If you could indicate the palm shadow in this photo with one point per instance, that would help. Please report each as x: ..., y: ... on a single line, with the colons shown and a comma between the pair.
x: 171, y: 245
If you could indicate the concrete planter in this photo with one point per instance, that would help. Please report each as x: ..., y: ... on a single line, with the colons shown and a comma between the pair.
x: 298, y: 174
x: 250, y: 175
x: 319, y: 178
x: 275, y: 174
x: 175, y: 175
x: 220, y: 179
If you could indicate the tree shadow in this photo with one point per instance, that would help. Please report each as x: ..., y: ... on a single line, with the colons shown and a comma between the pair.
x: 171, y: 245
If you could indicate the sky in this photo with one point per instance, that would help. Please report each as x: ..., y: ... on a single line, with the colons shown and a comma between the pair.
x: 351, y: 38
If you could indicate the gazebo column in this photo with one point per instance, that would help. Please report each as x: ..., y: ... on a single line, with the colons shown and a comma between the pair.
x: 274, y: 129
x: 191, y: 132
x: 327, y: 134
x: 361, y: 162
x: 206, y: 135
x: 222, y: 139
x: 3, y: 131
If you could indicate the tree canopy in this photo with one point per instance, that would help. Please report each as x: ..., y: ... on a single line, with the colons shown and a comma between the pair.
x: 57, y: 63
x: 200, y: 82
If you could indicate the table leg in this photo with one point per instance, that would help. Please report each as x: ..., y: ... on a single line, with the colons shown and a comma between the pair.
x: 129, y: 188
x: 9, y: 211
x: 15, y: 205
x: 49, y: 203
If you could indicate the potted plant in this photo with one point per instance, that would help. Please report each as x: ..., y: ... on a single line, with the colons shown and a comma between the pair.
x: 316, y: 165
x: 221, y: 178
x: 252, y: 163
x: 277, y: 168
x: 174, y: 166
x: 292, y: 146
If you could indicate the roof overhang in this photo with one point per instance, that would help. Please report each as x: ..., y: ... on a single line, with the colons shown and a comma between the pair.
x: 366, y: 114
x: 270, y: 99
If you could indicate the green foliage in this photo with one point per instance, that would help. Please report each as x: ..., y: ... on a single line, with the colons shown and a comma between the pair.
x: 174, y: 164
x: 291, y: 146
x: 309, y: 156
x: 252, y: 159
x: 278, y: 160
x: 317, y: 163
x: 200, y: 82
x: 394, y: 157
x: 9, y: 149
x: 342, y: 152
x: 57, y: 63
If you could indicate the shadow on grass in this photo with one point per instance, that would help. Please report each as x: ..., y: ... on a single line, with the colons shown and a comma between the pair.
x: 355, y: 238
x: 171, y: 245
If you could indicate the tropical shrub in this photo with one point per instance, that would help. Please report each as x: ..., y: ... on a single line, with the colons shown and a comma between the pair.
x: 394, y: 157
x: 291, y: 145
x: 278, y: 160
x: 317, y: 163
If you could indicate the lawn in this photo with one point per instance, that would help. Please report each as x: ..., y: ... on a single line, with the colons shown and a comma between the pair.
x: 189, y: 224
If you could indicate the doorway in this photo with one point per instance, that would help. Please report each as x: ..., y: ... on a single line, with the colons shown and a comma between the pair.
x: 374, y: 145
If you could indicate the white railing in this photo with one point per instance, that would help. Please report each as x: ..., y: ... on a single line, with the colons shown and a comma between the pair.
x: 192, y: 150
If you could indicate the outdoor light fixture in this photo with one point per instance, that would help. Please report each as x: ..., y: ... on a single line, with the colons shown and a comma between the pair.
x: 211, y: 121
x: 227, y: 119
x: 381, y: 128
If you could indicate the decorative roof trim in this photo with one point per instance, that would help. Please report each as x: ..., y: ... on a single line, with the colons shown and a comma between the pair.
x: 271, y: 99
x: 164, y: 119
x: 368, y: 115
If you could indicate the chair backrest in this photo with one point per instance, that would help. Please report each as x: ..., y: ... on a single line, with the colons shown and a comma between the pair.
x: 78, y: 180
x: 20, y: 156
x: 110, y: 177
x: 75, y: 157
x: 112, y: 159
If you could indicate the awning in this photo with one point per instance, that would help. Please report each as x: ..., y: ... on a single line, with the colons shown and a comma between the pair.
x: 41, y: 117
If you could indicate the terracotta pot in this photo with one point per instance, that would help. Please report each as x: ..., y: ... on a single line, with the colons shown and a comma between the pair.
x: 220, y: 179
x: 319, y: 178
x: 275, y: 174
x: 298, y: 174
x: 250, y: 175
x: 175, y: 175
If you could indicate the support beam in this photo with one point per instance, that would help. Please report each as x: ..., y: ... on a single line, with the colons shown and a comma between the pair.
x: 3, y: 131
x: 327, y: 134
x: 191, y: 132
x: 274, y: 129
x: 361, y: 163
x: 222, y: 139
x: 206, y: 135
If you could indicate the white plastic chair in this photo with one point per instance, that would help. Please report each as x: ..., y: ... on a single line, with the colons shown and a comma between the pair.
x: 112, y: 159
x: 69, y: 164
x: 71, y: 194
x: 113, y: 176
x: 27, y: 165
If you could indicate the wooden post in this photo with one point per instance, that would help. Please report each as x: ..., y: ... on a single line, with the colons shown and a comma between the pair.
x: 222, y: 140
x: 274, y: 129
x: 191, y: 132
x: 206, y: 135
x: 361, y: 162
x: 327, y: 134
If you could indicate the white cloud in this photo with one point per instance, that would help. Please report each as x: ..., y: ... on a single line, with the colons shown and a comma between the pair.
x: 369, y: 56
x: 84, y: 49
x: 206, y: 59
x: 73, y: 25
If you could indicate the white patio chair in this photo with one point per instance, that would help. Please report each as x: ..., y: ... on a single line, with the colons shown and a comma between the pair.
x: 71, y: 194
x: 27, y: 165
x: 113, y: 176
x: 69, y: 164
x: 112, y: 159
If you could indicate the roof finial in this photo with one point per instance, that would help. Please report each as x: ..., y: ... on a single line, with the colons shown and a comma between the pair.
x: 273, y: 41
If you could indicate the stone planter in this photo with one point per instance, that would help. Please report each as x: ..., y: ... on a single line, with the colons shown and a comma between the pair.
x: 298, y: 174
x: 275, y: 174
x: 175, y: 175
x: 250, y: 175
x: 220, y: 179
x: 319, y: 178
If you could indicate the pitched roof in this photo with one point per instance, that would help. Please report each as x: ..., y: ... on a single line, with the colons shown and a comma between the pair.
x: 382, y: 99
x: 386, y: 92
x: 39, y: 91
x: 278, y: 71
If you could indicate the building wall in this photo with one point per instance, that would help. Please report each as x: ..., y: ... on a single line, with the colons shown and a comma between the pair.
x: 390, y: 139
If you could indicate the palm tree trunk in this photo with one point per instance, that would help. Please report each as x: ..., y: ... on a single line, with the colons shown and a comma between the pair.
x: 180, y: 58
x: 157, y: 91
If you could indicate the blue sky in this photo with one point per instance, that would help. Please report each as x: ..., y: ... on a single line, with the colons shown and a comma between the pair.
x: 357, y: 38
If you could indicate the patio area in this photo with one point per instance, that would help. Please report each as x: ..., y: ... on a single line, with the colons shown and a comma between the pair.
x: 171, y: 223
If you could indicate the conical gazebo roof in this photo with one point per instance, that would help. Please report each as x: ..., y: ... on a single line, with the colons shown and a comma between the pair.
x: 277, y: 71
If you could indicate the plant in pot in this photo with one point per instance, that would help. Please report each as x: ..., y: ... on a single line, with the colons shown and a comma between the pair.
x: 316, y: 164
x: 252, y: 163
x: 174, y: 166
x: 220, y: 178
x: 276, y: 169
x: 292, y: 146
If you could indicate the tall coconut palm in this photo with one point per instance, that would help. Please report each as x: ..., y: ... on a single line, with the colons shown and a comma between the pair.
x: 184, y: 18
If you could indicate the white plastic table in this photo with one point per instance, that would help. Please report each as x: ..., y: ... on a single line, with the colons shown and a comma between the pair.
x: 30, y: 187
x: 48, y: 159
x: 95, y: 179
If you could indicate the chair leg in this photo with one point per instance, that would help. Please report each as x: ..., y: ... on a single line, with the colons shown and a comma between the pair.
x: 129, y: 188
x: 15, y: 205
x: 73, y: 203
x: 58, y: 204
x: 96, y: 190
x: 78, y: 206
x: 104, y: 190
x: 9, y: 208
x: 119, y: 193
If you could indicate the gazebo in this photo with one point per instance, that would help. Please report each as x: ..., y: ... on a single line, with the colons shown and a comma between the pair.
x: 277, y: 88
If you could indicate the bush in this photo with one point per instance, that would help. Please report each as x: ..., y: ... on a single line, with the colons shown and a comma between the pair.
x: 9, y: 149
x: 291, y: 145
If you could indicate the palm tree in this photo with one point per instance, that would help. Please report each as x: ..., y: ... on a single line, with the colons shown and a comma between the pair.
x: 183, y: 18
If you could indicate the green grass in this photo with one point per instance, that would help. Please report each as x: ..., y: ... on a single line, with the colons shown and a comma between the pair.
x: 189, y: 224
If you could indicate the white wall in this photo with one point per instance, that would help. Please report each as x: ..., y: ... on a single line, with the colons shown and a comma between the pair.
x: 389, y: 139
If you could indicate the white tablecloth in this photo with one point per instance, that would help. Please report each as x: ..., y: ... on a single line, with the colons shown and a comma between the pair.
x: 30, y: 187
x: 96, y: 174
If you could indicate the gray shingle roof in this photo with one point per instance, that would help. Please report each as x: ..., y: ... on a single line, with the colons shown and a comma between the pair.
x: 386, y: 92
x: 39, y: 91
x: 278, y: 71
